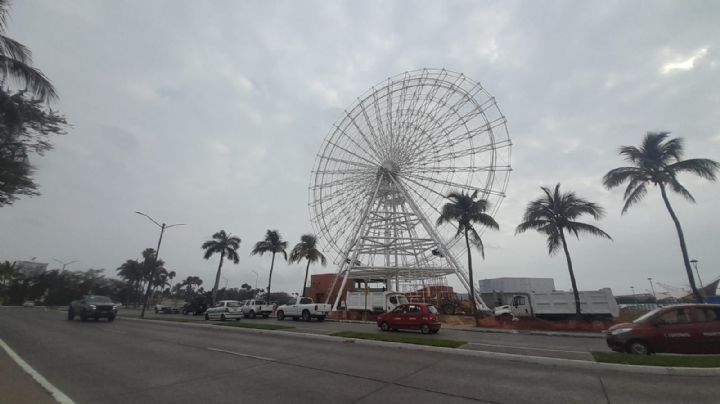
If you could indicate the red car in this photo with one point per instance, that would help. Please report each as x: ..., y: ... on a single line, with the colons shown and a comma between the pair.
x: 411, y: 316
x: 685, y: 328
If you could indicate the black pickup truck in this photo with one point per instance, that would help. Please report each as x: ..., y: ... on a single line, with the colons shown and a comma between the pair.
x: 93, y: 306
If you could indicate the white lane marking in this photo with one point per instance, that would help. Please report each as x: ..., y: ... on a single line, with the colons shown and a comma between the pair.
x: 262, y: 358
x: 527, y: 347
x: 54, y: 391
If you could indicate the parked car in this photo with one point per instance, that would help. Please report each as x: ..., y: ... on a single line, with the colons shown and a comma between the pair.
x: 224, y: 310
x: 303, y: 307
x: 685, y: 328
x: 159, y: 308
x: 252, y: 308
x: 93, y: 306
x: 29, y: 303
x: 411, y: 316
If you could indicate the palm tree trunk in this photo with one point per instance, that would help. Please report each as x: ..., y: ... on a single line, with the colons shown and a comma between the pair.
x: 572, y: 274
x: 472, y: 281
x: 217, y: 278
x: 272, y: 265
x: 686, y: 259
x: 307, y: 269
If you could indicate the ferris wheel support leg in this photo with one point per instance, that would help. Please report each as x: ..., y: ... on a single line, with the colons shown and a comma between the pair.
x: 478, y: 301
x: 361, y: 226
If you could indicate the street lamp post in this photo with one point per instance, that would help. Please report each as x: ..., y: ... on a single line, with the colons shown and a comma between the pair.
x: 633, y: 292
x: 695, y: 262
x: 256, y: 277
x: 155, y: 260
x: 64, y: 264
x: 653, y: 289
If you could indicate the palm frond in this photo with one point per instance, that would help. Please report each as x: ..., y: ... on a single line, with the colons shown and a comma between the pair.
x: 619, y: 175
x: 704, y: 168
x: 477, y: 241
x: 636, y: 196
x: 677, y: 187
x: 578, y: 227
x: 530, y: 224
x: 33, y: 79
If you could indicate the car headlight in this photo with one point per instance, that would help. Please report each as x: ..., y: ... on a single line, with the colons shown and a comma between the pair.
x: 115, y: 308
x: 92, y: 307
x: 620, y: 331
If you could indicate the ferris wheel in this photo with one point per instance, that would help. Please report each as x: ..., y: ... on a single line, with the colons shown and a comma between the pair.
x: 384, y: 170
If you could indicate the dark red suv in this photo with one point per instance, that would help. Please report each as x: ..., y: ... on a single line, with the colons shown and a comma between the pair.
x: 411, y: 316
x: 685, y: 328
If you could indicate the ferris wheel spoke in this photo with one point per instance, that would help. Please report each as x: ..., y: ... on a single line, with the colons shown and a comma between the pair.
x: 466, y: 136
x: 454, y: 184
x: 372, y: 163
x: 474, y: 150
x: 373, y: 131
x: 446, y: 169
x: 341, y: 181
x: 378, y: 117
x: 370, y: 144
x: 349, y: 162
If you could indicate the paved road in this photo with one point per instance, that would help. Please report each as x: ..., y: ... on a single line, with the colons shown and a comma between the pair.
x: 520, y: 343
x: 148, y: 362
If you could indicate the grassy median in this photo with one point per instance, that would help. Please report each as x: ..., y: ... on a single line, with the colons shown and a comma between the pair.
x: 445, y: 343
x: 255, y: 326
x: 683, y: 361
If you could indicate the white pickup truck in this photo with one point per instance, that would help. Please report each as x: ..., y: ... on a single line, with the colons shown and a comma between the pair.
x: 253, y: 308
x: 224, y: 310
x: 303, y: 307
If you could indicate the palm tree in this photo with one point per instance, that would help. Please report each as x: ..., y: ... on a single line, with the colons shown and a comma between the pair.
x: 467, y: 210
x: 226, y: 245
x: 274, y: 244
x: 658, y: 162
x: 554, y: 214
x: 132, y: 272
x: 307, y: 249
x: 16, y: 60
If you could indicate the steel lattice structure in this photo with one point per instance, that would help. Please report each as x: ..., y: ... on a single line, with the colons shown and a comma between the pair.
x: 384, y: 170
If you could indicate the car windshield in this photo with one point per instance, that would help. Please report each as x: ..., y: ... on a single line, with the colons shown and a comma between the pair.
x: 98, y: 299
x: 260, y: 302
x: 305, y: 300
x: 432, y: 309
x: 646, y: 316
x: 233, y: 304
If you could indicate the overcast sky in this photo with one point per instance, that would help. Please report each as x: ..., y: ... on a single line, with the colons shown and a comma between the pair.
x: 211, y: 113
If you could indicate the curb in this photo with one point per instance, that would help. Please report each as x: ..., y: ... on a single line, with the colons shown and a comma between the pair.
x: 537, y: 360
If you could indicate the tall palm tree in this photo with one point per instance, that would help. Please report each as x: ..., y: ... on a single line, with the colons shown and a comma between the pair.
x: 467, y: 210
x: 554, y: 214
x: 226, y: 245
x: 658, y: 161
x: 132, y: 271
x: 307, y: 248
x: 273, y: 243
x: 16, y: 62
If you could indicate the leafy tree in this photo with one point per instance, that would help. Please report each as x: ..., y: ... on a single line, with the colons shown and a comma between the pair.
x: 25, y: 128
x: 274, y: 244
x: 226, y: 245
x: 307, y: 249
x: 467, y: 211
x: 16, y: 62
x: 554, y: 214
x: 657, y: 162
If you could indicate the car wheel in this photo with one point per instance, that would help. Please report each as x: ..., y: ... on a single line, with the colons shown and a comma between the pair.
x: 425, y: 329
x: 306, y: 316
x: 207, y: 316
x: 111, y: 318
x: 71, y: 314
x: 638, y: 348
x: 320, y: 318
x: 384, y: 326
x: 252, y: 314
x: 280, y: 315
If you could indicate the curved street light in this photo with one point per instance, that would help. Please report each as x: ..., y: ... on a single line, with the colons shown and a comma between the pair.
x: 157, y: 255
x: 64, y: 264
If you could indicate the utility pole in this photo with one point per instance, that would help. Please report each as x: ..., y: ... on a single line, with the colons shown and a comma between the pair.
x: 653, y: 289
x: 695, y: 262
x: 155, y: 259
x: 64, y: 264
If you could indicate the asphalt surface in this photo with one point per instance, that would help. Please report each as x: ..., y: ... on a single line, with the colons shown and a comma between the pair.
x: 148, y: 362
x: 522, y: 343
